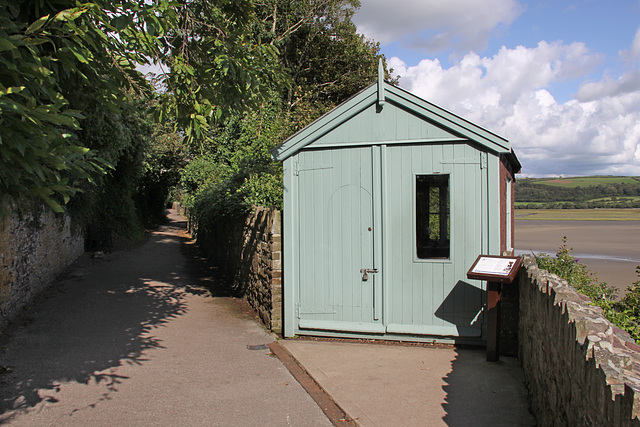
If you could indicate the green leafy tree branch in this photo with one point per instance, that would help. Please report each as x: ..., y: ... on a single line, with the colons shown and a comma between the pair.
x: 48, y: 50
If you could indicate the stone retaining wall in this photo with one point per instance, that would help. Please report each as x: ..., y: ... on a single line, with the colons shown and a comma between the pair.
x: 248, y: 253
x: 35, y: 247
x: 580, y: 369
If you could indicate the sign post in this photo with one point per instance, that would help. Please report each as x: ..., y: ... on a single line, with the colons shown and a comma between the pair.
x: 496, y: 270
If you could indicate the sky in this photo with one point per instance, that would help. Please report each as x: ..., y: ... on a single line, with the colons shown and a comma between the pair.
x: 560, y: 79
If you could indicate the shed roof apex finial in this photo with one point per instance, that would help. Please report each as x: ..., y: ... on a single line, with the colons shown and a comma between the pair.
x: 380, y: 83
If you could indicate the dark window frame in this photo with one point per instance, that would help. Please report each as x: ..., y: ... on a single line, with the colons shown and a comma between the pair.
x: 433, y: 216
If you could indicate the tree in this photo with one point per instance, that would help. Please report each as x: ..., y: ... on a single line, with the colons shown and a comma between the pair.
x: 216, y: 67
x: 327, y: 62
x: 327, y: 59
x: 49, y: 49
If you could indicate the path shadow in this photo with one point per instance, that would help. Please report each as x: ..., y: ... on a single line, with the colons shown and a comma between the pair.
x: 101, y: 315
x: 208, y: 277
x: 482, y: 393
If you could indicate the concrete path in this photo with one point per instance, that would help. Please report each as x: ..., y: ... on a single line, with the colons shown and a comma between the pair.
x: 144, y: 338
x: 400, y: 385
x: 148, y: 337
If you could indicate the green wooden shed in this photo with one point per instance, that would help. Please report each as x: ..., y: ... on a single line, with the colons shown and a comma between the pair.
x: 388, y: 200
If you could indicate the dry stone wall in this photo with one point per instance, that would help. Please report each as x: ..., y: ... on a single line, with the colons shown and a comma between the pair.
x: 35, y: 247
x: 580, y: 369
x: 248, y: 254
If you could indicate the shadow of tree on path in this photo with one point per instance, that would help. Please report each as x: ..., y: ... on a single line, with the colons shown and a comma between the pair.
x: 100, y: 316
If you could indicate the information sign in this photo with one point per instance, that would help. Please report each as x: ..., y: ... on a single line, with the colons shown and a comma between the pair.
x: 493, y: 268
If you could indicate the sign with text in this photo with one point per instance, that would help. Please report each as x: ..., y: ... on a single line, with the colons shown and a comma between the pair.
x: 493, y: 268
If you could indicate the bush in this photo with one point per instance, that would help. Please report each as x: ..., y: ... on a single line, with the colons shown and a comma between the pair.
x: 235, y: 171
x: 624, y: 313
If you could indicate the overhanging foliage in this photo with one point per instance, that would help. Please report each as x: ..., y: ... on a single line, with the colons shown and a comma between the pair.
x: 49, y: 49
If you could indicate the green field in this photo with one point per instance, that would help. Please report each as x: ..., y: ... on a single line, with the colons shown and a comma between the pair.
x: 583, y: 192
x: 616, y: 199
x: 578, y: 214
x: 587, y: 181
x: 606, y: 200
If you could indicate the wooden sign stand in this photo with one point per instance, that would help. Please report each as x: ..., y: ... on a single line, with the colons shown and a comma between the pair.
x: 496, y: 270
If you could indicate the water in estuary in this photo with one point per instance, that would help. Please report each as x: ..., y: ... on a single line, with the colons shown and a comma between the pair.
x: 611, y: 249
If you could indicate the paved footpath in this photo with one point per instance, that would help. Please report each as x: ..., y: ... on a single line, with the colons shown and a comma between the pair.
x: 143, y: 337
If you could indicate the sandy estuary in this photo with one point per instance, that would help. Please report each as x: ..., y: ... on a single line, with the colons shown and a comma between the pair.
x: 610, y: 249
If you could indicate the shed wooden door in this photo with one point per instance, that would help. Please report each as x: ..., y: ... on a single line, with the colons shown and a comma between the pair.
x: 430, y: 295
x: 337, y: 240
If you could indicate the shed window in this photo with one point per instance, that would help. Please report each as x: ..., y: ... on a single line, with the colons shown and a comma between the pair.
x: 432, y: 216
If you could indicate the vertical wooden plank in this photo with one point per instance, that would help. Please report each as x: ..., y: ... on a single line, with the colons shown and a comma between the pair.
x: 407, y: 189
x: 395, y: 205
x: 367, y: 231
x: 417, y: 270
x: 377, y: 231
x: 290, y: 248
x: 451, y: 154
x: 317, y: 300
x: 386, y: 234
x: 454, y: 153
x: 484, y: 209
x: 346, y: 249
x: 478, y: 206
x: 321, y: 302
x: 493, y: 175
x: 485, y: 203
x: 361, y: 243
x: 306, y: 236
x: 359, y: 287
x: 433, y: 280
x: 330, y: 232
x: 473, y: 302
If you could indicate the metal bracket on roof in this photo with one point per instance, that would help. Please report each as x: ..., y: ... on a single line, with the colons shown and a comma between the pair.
x: 381, y: 97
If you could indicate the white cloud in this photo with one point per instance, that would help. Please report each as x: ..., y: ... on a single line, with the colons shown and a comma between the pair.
x: 627, y: 83
x: 435, y: 25
x: 632, y: 54
x: 598, y: 132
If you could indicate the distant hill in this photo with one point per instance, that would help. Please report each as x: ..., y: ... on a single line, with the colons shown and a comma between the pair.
x: 584, y: 192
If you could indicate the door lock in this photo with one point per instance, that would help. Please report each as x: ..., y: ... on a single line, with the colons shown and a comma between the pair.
x: 365, y: 273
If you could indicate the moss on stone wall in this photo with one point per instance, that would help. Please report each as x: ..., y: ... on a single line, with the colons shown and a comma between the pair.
x: 36, y: 245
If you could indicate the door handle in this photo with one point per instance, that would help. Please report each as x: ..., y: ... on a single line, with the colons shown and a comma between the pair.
x: 365, y: 273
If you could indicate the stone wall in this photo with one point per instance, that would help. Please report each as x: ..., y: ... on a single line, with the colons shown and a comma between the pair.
x: 248, y: 254
x: 35, y: 247
x: 580, y: 369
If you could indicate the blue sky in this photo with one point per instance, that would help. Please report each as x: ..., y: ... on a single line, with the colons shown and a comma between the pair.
x: 559, y: 79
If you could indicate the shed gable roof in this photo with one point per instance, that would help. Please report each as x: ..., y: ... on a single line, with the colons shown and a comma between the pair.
x: 395, y: 116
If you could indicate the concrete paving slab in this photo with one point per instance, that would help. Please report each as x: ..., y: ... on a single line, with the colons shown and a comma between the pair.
x: 389, y: 385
